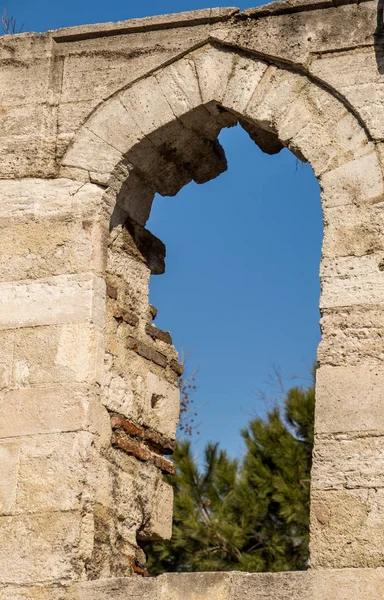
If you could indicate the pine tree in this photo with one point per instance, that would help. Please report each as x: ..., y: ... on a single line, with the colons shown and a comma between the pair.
x: 272, y: 493
x: 251, y: 516
x: 203, y: 538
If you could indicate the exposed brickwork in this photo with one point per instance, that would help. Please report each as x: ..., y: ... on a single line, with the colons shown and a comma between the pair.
x: 158, y: 334
x: 134, y: 448
x: 117, y: 421
x: 164, y: 465
x: 77, y: 185
x: 126, y: 316
x: 155, y: 440
x: 111, y: 292
x: 147, y: 352
x: 130, y: 446
x: 159, y: 442
x: 153, y: 312
x: 177, y: 367
x: 138, y: 569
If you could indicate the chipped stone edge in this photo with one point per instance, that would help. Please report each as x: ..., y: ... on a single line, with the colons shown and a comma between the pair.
x: 293, y: 6
x: 184, y: 19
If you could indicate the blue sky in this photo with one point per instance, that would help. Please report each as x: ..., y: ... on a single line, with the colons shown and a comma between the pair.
x: 241, y: 289
x: 40, y: 15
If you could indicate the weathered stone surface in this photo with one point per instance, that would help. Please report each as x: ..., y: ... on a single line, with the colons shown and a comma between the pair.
x: 245, y: 77
x: 356, y: 182
x: 29, y: 200
x: 52, y: 471
x: 35, y: 411
x: 348, y: 461
x: 358, y: 77
x: 48, y: 546
x: 347, y: 528
x: 35, y: 592
x: 34, y: 251
x: 353, y: 230
x: 349, y: 399
x: 10, y: 462
x: 352, y: 335
x: 349, y: 281
x: 60, y: 299
x: 136, y: 108
x: 71, y: 353
x: 115, y: 589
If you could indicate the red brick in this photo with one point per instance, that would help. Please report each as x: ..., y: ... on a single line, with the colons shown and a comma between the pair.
x: 147, y: 352
x: 127, y: 317
x: 131, y: 447
x: 165, y: 465
x: 111, y: 292
x: 158, y: 334
x: 119, y: 421
x: 177, y: 367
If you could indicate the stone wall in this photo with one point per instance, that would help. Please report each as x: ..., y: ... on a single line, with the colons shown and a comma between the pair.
x: 94, y: 121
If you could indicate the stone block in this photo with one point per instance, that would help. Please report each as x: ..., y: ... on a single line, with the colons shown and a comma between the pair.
x: 349, y: 281
x: 349, y: 399
x: 136, y: 498
x: 27, y: 120
x: 33, y: 251
x: 135, y: 276
x: 351, y: 336
x: 273, y: 98
x: 344, y: 584
x: 9, y: 461
x: 137, y: 389
x: 214, y: 67
x: 357, y: 77
x: 242, y: 83
x: 347, y: 528
x: 113, y: 123
x: 116, y: 589
x: 55, y: 472
x: 32, y: 200
x: 163, y: 405
x: 119, y: 395
x: 25, y: 76
x: 180, y: 86
x: 91, y: 153
x: 159, y: 526
x: 71, y: 116
x: 134, y: 200
x: 31, y: 411
x: 319, y: 584
x: 45, y: 356
x: 26, y: 156
x: 147, y: 105
x: 54, y: 300
x: 356, y: 182
x: 158, y: 165
x: 34, y: 592
x: 6, y: 358
x: 353, y: 230
x: 348, y: 461
x: 43, y: 547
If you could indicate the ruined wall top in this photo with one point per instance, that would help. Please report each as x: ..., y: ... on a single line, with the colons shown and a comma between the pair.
x: 94, y: 120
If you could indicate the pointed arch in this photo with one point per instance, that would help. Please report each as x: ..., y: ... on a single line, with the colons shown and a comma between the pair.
x: 160, y: 132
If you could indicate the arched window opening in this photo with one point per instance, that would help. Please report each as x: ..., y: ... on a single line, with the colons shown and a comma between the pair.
x: 156, y: 136
x: 241, y: 288
x: 239, y: 295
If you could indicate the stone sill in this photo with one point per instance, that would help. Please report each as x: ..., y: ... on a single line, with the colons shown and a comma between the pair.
x: 333, y: 584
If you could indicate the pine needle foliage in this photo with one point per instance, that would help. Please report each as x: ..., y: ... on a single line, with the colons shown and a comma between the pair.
x: 250, y: 515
